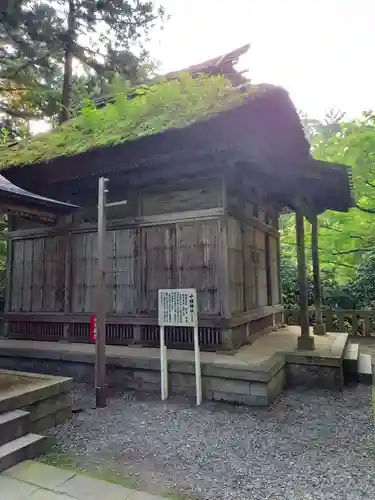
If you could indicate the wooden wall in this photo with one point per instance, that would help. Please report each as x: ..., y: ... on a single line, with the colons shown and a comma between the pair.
x: 249, y: 286
x: 139, y: 262
x: 163, y: 238
x: 38, y: 275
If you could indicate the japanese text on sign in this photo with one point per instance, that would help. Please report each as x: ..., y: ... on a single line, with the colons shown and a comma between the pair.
x: 178, y: 307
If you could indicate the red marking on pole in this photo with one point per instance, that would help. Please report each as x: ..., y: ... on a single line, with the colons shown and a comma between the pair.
x: 93, y: 329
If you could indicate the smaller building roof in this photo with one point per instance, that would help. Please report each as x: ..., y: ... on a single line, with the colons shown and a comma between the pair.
x: 14, y: 199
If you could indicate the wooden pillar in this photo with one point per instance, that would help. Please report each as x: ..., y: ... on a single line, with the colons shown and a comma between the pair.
x: 67, y: 282
x: 305, y: 341
x: 268, y: 270
x: 319, y: 326
x: 101, y: 306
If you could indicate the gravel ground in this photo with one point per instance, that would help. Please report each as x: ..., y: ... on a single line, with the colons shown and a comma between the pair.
x: 308, y: 445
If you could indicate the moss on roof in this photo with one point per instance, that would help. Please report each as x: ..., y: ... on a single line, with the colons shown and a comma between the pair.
x: 166, y: 105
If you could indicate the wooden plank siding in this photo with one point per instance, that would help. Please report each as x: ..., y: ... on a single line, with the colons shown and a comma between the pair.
x: 202, y: 235
x: 197, y: 262
x: 139, y: 262
x: 235, y: 265
x: 38, y: 275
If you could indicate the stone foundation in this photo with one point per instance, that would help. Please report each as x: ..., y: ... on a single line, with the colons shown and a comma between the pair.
x: 325, y: 377
x: 219, y: 383
x: 46, y: 398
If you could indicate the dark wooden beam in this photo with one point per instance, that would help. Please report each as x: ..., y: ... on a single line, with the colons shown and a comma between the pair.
x: 68, y: 279
x: 147, y: 220
x: 268, y: 270
x: 319, y: 326
x: 146, y: 319
x: 305, y: 341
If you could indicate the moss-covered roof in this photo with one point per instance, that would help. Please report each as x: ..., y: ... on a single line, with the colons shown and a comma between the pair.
x: 166, y: 105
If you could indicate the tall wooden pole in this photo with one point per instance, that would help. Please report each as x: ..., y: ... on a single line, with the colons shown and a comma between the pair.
x: 319, y: 326
x: 305, y: 341
x: 100, y: 368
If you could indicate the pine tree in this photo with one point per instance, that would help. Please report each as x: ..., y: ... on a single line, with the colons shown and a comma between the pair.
x: 40, y: 42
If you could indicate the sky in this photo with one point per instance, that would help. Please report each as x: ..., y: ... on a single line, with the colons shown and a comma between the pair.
x: 320, y: 51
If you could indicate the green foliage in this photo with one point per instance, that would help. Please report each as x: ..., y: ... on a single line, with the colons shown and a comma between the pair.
x: 345, y: 239
x: 363, y: 285
x: 102, y: 38
x: 164, y: 105
x: 334, y: 295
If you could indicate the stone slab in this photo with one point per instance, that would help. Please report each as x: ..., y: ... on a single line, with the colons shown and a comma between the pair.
x: 228, y: 385
x: 339, y: 344
x: 12, y: 489
x: 25, y: 447
x: 44, y: 476
x: 314, y: 376
x: 351, y: 352
x: 88, y: 488
x: 12, y: 415
x: 319, y: 329
x: 140, y: 495
x: 13, y: 424
x: 40, y: 387
x: 48, y: 495
x: 306, y: 343
x: 45, y: 407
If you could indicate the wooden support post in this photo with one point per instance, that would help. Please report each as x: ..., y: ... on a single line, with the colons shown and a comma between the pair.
x: 68, y: 277
x: 8, y: 286
x: 305, y: 341
x: 319, y: 326
x: 268, y: 271
x: 224, y: 284
x: 100, y: 365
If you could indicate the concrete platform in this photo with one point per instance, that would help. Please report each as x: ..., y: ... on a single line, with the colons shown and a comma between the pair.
x: 254, y: 374
x: 44, y: 397
x: 32, y: 480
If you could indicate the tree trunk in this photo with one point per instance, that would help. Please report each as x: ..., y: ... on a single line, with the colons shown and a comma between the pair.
x: 67, y: 90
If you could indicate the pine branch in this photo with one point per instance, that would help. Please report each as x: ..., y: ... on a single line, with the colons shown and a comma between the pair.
x: 341, y: 264
x: 356, y: 250
x: 366, y: 210
x: 326, y: 226
x: 17, y: 113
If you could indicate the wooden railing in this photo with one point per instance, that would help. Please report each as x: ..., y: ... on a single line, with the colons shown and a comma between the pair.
x: 359, y: 323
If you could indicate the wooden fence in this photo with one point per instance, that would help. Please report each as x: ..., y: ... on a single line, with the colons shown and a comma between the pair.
x: 360, y: 323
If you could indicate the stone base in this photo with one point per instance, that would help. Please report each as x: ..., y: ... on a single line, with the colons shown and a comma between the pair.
x: 310, y: 376
x: 253, y: 380
x: 234, y: 383
x: 319, y: 329
x: 306, y: 343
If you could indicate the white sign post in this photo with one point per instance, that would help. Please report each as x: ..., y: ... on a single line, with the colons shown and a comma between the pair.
x: 178, y: 307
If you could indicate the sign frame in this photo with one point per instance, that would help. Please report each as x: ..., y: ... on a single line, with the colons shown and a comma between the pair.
x: 178, y: 307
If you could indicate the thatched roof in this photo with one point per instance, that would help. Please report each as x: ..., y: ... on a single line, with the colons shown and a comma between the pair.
x: 170, y: 104
x: 174, y: 101
x: 209, y: 108
x: 223, y: 65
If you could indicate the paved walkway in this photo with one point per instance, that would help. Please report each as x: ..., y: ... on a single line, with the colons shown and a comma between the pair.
x: 32, y: 480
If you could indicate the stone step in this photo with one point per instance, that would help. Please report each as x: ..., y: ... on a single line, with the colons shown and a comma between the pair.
x: 13, y: 424
x: 365, y: 368
x: 351, y: 355
x: 23, y: 448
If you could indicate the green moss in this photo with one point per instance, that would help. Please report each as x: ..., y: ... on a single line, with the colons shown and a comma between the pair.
x: 164, y: 105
